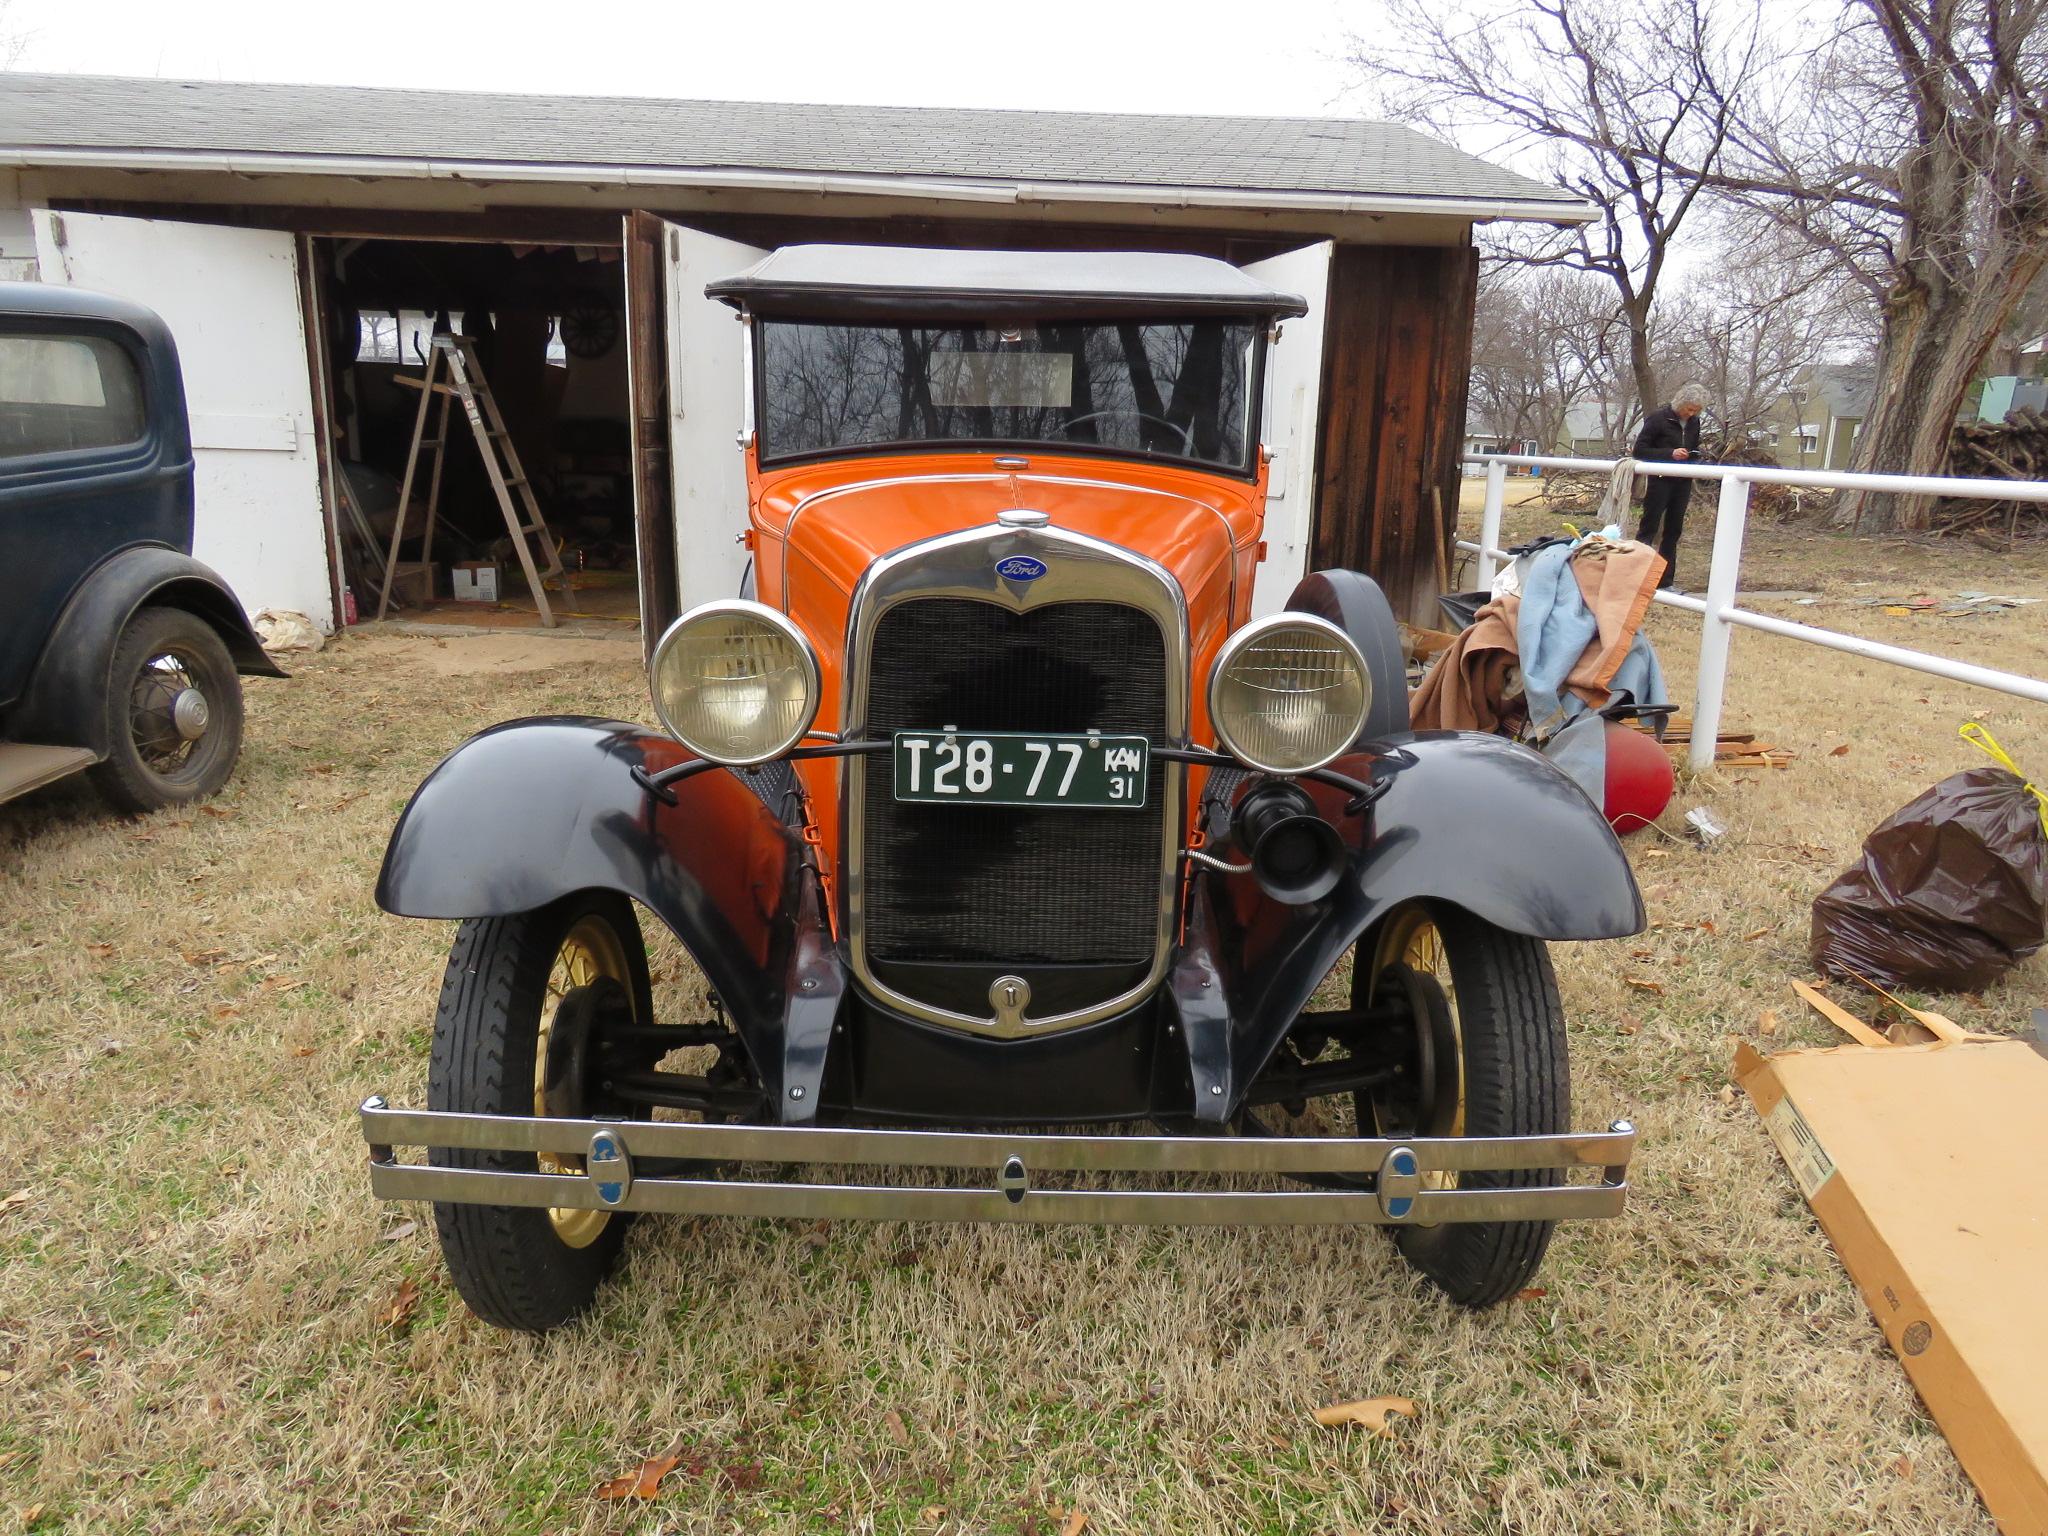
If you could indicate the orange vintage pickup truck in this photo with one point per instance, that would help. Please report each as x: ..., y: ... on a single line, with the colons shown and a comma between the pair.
x: 1013, y: 848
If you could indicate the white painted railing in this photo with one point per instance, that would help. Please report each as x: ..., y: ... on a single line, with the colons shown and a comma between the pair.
x: 1718, y: 611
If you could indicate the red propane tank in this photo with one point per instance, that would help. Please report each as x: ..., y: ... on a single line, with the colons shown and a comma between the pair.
x: 1639, y: 779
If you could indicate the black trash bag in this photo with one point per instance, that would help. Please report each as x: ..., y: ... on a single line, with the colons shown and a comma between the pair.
x: 1951, y: 891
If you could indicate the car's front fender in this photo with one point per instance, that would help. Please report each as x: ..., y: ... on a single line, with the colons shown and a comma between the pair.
x: 1464, y: 819
x: 533, y: 810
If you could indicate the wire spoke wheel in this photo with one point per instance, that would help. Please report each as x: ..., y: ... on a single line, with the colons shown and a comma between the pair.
x: 514, y: 1035
x: 173, y: 712
x: 590, y: 951
x: 1412, y: 963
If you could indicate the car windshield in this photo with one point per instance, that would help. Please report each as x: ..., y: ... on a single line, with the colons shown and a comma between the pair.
x: 1167, y: 389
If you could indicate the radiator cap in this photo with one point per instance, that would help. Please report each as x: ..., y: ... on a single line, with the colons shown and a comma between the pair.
x: 1023, y: 517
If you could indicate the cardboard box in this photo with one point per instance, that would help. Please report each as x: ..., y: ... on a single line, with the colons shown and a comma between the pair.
x: 476, y: 581
x: 1928, y: 1168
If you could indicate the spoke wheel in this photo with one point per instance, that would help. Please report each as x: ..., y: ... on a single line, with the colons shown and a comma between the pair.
x: 591, y: 951
x: 511, y: 1037
x: 1488, y: 1060
x: 173, y: 713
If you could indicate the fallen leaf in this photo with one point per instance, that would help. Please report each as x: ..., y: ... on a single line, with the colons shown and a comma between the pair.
x: 1767, y: 1022
x: 1726, y: 1095
x: 1656, y: 853
x: 893, y: 1421
x: 204, y: 956
x: 281, y: 984
x: 214, y: 810
x: 1841, y: 751
x: 6, y: 1377
x: 404, y: 1302
x: 403, y: 1230
x: 1706, y: 925
x: 1531, y: 1293
x: 1904, y: 1467
x: 100, y: 951
x: 1629, y: 1026
x: 644, y: 1484
x: 31, y: 1515
x: 931, y: 1514
x: 1642, y: 954
x: 1643, y: 984
x: 1751, y: 938
x: 19, y: 1198
x: 305, y: 1050
x: 227, y: 1011
x: 1371, y: 1412
x: 1076, y: 1523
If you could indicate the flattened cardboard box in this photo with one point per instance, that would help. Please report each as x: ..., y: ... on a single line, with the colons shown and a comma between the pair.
x: 1928, y: 1168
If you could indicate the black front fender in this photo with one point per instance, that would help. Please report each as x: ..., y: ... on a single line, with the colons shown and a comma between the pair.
x: 1465, y: 819
x: 533, y: 810
x: 65, y: 701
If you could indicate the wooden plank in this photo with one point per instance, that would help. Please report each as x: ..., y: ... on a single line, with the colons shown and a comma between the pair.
x: 1397, y: 351
x: 654, y: 523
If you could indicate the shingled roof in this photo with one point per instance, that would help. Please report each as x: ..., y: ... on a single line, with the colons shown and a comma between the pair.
x: 1339, y: 162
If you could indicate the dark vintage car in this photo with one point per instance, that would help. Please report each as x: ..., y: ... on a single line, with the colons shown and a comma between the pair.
x: 120, y: 654
x: 1002, y: 832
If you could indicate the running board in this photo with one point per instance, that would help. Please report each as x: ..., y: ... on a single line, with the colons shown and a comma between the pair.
x: 608, y: 1149
x: 24, y: 766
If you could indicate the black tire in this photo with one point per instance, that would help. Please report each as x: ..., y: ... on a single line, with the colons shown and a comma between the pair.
x: 1355, y: 604
x: 512, y: 1264
x: 1516, y: 1079
x: 149, y: 763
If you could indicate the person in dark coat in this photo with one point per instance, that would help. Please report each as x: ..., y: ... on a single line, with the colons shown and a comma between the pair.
x: 1671, y: 434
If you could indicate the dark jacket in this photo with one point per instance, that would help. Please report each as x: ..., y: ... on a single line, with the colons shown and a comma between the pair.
x: 1663, y: 431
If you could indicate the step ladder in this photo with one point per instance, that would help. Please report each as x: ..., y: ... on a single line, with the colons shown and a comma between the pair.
x: 455, y: 357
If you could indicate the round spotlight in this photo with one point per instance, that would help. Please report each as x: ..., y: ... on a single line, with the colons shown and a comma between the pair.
x: 1289, y: 692
x: 735, y: 682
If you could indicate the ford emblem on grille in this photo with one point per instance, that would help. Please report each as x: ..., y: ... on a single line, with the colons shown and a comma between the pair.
x: 1020, y: 568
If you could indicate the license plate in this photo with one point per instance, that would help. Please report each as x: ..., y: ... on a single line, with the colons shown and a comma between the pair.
x: 1020, y: 768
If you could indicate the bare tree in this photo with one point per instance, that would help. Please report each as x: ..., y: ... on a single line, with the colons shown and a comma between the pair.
x: 1765, y: 309
x: 1911, y: 147
x: 1610, y: 90
x: 1542, y: 343
x: 14, y: 39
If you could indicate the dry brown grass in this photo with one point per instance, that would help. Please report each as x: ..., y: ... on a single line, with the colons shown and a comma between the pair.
x: 191, y: 1303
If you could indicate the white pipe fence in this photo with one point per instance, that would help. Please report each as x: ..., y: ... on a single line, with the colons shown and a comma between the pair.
x: 1719, y: 614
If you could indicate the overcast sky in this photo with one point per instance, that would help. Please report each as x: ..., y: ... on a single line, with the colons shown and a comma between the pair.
x: 1278, y: 57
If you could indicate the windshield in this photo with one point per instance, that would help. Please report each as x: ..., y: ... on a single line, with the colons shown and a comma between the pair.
x: 1174, y: 389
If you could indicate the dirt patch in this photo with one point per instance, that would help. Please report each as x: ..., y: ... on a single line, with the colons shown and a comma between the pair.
x: 469, y: 655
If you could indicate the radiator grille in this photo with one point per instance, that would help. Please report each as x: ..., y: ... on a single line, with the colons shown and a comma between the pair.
x: 1000, y: 885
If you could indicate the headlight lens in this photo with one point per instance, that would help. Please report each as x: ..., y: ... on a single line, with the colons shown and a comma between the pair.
x: 735, y: 682
x: 1289, y: 693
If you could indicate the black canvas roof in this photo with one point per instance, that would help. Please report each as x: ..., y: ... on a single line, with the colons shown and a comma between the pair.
x: 854, y: 281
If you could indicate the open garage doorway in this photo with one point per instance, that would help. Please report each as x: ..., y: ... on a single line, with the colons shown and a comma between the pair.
x: 545, y: 325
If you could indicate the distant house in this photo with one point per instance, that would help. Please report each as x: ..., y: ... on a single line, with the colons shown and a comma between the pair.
x: 1814, y: 424
x: 1596, y: 429
x: 1483, y: 436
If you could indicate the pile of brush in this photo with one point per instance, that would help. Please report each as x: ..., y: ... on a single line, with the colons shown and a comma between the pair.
x: 2016, y: 449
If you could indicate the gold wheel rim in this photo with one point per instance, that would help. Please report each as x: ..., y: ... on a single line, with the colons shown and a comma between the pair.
x: 1412, y: 938
x: 591, y: 949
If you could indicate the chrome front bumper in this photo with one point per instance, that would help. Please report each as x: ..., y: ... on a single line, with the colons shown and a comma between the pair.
x: 610, y: 1148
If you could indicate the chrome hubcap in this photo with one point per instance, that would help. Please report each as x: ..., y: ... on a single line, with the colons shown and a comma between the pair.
x: 189, y: 714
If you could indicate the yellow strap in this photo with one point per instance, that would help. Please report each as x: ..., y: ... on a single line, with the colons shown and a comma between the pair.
x: 1985, y: 742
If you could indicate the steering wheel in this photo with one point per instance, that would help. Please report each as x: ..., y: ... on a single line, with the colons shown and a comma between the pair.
x: 1186, y: 434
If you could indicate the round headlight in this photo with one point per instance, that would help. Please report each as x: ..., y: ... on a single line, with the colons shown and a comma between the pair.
x: 1289, y: 693
x: 735, y: 682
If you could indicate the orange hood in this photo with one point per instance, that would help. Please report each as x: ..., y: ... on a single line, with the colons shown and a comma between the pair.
x: 818, y: 528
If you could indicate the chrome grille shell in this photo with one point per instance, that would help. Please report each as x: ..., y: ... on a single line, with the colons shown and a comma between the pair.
x: 1077, y: 569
